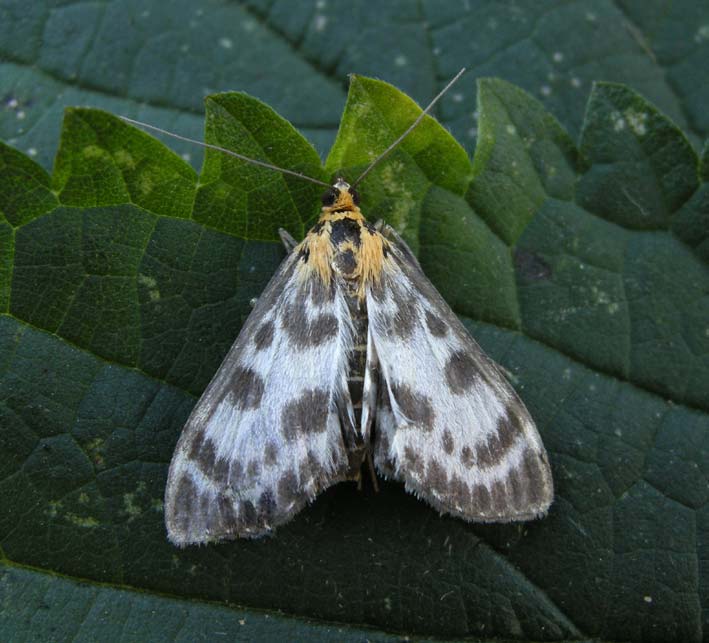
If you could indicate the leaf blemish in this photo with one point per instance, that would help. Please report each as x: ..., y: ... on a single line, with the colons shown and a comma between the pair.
x: 86, y: 522
x: 151, y: 284
x: 636, y: 121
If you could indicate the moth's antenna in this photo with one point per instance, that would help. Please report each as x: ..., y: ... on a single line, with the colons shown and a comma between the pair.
x: 411, y: 127
x: 241, y: 157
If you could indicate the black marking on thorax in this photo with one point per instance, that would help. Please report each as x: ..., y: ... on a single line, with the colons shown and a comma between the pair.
x: 346, y: 229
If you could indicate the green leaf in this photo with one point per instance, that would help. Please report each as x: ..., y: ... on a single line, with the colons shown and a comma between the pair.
x: 59, y: 609
x: 582, y: 268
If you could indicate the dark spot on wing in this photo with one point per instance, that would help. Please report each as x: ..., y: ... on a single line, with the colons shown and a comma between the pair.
x: 415, y: 406
x: 270, y: 454
x: 436, y: 478
x: 461, y: 372
x: 253, y: 470
x: 413, y: 461
x: 498, y: 495
x: 403, y: 321
x: 226, y: 509
x: 221, y: 470
x: 459, y: 493
x: 263, y: 337
x: 306, y: 414
x: 313, y: 476
x: 197, y: 442
x: 236, y: 471
x: 247, y: 514
x: 383, y: 448
x: 447, y: 442
x: 318, y: 292
x: 466, y: 456
x: 206, y: 457
x: 517, y: 490
x: 266, y: 506
x: 303, y: 330
x: 288, y: 490
x: 481, y: 498
x: 532, y: 467
x: 530, y: 266
x: 495, y: 448
x: 304, y: 254
x: 247, y: 388
x: 380, y: 288
x: 436, y: 325
x: 184, y: 503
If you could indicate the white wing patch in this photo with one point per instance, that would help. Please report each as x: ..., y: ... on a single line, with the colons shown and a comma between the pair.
x: 447, y: 423
x: 265, y: 436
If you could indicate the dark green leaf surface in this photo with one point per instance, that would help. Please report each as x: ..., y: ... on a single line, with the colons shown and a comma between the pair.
x: 582, y: 269
x: 40, y: 607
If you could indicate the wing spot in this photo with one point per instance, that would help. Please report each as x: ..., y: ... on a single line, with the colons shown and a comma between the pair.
x: 535, y: 479
x: 183, y: 503
x: 266, y: 506
x: 459, y: 494
x: 196, y: 446
x: 461, y: 372
x: 288, y: 490
x: 436, y: 478
x: 270, y: 455
x: 263, y: 337
x: 415, y: 406
x: 306, y: 415
x: 447, y: 442
x: 498, y: 495
x: 303, y: 331
x: 226, y: 510
x: 253, y: 470
x: 495, y: 448
x: 221, y: 470
x: 319, y: 292
x: 206, y: 457
x: 247, y: 388
x: 236, y: 471
x: 413, y: 461
x: 402, y: 323
x: 481, y: 499
x: 466, y: 456
x: 436, y: 325
x: 518, y: 493
x: 247, y: 515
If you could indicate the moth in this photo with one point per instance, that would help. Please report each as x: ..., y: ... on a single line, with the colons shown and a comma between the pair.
x: 351, y: 359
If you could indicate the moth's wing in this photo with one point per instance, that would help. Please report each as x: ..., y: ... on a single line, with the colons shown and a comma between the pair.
x: 265, y: 437
x: 448, y: 424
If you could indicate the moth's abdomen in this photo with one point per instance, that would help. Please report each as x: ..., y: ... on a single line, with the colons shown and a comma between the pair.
x: 358, y: 357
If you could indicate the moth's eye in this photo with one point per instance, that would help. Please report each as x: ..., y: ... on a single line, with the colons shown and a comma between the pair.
x: 355, y: 196
x: 330, y: 196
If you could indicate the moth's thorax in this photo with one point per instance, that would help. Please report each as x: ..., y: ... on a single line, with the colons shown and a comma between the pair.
x: 343, y: 243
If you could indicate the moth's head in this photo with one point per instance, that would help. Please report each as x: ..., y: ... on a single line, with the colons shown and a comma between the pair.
x: 340, y: 197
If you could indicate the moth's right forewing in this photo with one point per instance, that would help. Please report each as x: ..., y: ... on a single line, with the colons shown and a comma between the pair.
x: 265, y: 437
x: 448, y: 423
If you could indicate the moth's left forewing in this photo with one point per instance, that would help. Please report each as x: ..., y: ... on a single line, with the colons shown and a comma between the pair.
x: 265, y: 437
x: 448, y: 423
